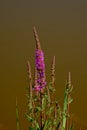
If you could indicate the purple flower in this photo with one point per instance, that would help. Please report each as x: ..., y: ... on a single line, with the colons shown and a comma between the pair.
x: 40, y: 67
x: 40, y: 60
x: 37, y: 88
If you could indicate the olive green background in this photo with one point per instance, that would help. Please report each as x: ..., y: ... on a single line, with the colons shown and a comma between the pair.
x: 62, y: 28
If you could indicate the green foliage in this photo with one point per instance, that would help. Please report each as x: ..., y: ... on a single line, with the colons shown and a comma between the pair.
x: 47, y: 109
x: 47, y: 124
x: 51, y: 89
x: 33, y: 121
x: 50, y: 110
x: 30, y: 119
x: 30, y: 128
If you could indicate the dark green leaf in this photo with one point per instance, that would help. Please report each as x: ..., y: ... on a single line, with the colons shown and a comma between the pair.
x: 47, y: 124
x: 30, y: 128
x: 30, y: 119
x: 71, y: 128
x: 50, y: 110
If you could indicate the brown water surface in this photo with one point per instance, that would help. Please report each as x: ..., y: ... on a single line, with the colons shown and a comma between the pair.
x: 62, y: 27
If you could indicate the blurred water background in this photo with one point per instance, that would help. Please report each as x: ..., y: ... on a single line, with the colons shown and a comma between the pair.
x: 62, y: 28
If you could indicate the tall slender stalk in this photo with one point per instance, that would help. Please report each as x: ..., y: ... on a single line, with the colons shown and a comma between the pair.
x: 53, y: 72
x: 53, y: 82
x: 17, y: 115
x: 30, y: 83
x: 53, y: 76
x: 64, y: 110
x: 36, y: 38
x: 68, y: 105
x: 40, y: 68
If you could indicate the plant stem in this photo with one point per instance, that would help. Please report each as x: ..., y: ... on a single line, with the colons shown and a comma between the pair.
x: 41, y: 125
x: 17, y: 115
x: 30, y: 83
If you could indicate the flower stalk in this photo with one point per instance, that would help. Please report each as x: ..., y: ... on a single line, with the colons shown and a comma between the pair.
x: 17, y: 115
x: 30, y: 83
x: 40, y: 68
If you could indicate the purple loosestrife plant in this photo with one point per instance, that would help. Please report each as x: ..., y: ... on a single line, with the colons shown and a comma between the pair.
x: 44, y: 111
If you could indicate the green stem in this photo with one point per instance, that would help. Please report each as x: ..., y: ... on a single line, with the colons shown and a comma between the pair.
x: 64, y: 110
x: 17, y: 115
x: 41, y: 111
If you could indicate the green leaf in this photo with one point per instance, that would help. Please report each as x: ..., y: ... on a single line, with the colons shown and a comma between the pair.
x: 36, y: 125
x: 51, y: 128
x: 70, y: 100
x: 50, y: 110
x: 43, y: 103
x: 33, y: 121
x: 30, y: 128
x: 65, y: 109
x: 30, y: 119
x: 35, y: 98
x: 37, y: 109
x: 50, y: 87
x: 47, y: 124
x: 71, y: 128
x: 58, y: 125
x: 54, y: 122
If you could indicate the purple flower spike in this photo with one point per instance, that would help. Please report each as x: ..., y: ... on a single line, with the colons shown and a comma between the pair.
x: 39, y: 63
x: 40, y: 66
